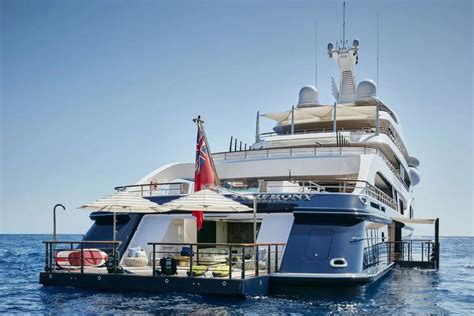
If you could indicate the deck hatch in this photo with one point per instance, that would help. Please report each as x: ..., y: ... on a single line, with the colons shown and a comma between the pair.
x: 319, y: 244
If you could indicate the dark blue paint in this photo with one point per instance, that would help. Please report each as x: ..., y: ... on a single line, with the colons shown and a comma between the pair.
x: 321, y: 202
x: 319, y: 244
x: 102, y: 228
x: 159, y: 284
x: 328, y: 240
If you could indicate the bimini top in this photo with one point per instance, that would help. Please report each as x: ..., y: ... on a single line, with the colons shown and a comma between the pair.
x: 324, y: 114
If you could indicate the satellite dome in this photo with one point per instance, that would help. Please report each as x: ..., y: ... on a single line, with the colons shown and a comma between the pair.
x: 308, y: 96
x: 413, y: 162
x: 415, y: 176
x: 366, y: 89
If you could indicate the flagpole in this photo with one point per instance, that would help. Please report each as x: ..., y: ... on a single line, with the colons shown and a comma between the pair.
x: 200, y: 125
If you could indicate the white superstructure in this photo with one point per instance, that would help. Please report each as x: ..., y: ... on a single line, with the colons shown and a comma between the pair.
x: 349, y: 145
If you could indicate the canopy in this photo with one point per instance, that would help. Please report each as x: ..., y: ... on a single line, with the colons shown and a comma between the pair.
x: 324, y: 114
x: 207, y: 201
x: 405, y: 220
x: 124, y: 202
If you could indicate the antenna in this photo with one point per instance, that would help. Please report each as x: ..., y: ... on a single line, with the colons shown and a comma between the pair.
x: 377, y: 49
x: 343, y: 24
x: 316, y: 56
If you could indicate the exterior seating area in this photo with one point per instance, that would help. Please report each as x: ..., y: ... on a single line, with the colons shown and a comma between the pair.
x: 229, y: 261
x: 211, y: 256
x: 136, y: 258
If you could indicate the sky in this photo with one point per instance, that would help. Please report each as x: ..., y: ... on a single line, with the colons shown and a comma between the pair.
x: 98, y: 93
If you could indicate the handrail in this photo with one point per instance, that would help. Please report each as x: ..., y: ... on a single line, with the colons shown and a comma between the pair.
x: 390, y: 132
x: 382, y: 196
x: 82, y: 242
x: 310, y: 150
x: 146, y: 185
x: 151, y: 188
x: 216, y: 244
x: 419, y: 250
x: 52, y: 259
x: 249, y: 255
x: 314, y: 186
x: 404, y: 250
x: 348, y: 186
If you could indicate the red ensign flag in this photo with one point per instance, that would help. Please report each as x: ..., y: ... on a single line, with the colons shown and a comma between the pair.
x: 203, y: 174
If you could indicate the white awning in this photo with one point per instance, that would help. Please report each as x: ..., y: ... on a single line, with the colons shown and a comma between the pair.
x: 405, y: 220
x: 124, y: 202
x: 324, y: 114
x: 208, y: 201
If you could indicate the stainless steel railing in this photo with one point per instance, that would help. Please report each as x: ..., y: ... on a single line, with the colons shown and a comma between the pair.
x: 156, y: 189
x: 390, y: 132
x: 282, y: 152
x: 405, y: 251
x: 75, y: 256
x: 270, y: 186
x: 421, y: 250
x: 238, y: 260
x: 314, y: 186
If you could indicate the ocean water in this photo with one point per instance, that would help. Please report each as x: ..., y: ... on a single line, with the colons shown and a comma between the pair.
x: 448, y: 290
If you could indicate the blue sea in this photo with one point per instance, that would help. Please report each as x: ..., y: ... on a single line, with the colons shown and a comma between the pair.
x: 449, y: 290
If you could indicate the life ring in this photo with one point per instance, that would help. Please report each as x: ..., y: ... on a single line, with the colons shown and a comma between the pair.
x: 153, y: 185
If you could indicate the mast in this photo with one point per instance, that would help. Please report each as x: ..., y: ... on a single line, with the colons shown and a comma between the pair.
x: 316, y: 56
x: 346, y: 57
x: 257, y: 128
x: 378, y: 50
x: 344, y: 24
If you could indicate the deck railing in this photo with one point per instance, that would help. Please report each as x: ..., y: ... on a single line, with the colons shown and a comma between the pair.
x: 421, y: 250
x: 231, y: 260
x: 315, y: 186
x: 156, y: 189
x: 376, y: 254
x: 223, y: 260
x: 390, y: 132
x: 413, y: 252
x: 314, y: 151
x: 274, y: 186
x: 77, y: 255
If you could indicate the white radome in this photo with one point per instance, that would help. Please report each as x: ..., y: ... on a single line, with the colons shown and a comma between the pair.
x: 308, y: 96
x: 366, y: 89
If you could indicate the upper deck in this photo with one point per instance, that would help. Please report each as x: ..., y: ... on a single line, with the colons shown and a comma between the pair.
x: 369, y: 123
